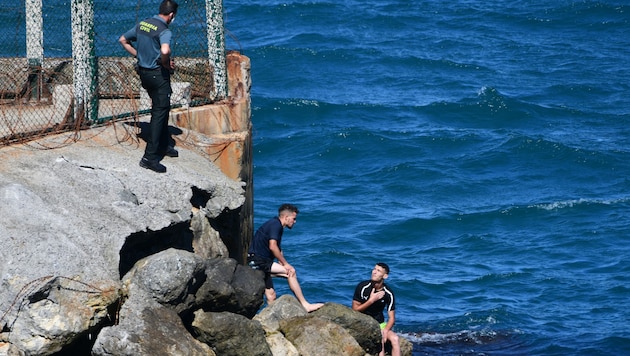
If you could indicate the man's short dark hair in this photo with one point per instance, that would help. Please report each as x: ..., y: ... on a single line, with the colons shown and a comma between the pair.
x: 168, y: 6
x: 384, y: 266
x: 287, y: 207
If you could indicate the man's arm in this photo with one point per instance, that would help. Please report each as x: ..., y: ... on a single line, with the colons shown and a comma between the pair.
x: 277, y: 253
x: 374, y: 296
x: 391, y: 319
x: 165, y: 56
x: 127, y: 45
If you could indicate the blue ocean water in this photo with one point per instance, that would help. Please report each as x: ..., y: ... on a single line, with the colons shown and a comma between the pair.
x: 480, y: 148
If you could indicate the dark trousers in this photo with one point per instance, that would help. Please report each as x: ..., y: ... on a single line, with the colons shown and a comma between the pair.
x: 157, y: 83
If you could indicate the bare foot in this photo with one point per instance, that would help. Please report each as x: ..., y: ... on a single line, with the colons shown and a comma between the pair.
x: 312, y: 307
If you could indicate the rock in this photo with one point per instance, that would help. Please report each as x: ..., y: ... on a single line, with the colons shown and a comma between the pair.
x: 86, y: 233
x: 58, y: 311
x: 249, y: 287
x: 406, y: 347
x: 216, y: 291
x: 285, y: 307
x: 185, y: 282
x: 148, y: 328
x: 230, y: 334
x: 231, y: 287
x: 68, y: 213
x: 206, y: 241
x: 170, y: 278
x: 7, y: 349
x: 314, y: 336
x: 363, y: 328
x: 280, y: 346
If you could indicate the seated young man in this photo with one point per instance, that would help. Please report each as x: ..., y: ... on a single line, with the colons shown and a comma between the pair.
x: 372, y: 297
x: 266, y: 247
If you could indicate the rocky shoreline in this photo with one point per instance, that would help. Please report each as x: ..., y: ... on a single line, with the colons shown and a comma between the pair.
x: 102, y: 257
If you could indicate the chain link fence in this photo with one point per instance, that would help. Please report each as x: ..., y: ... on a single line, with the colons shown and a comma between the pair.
x: 36, y: 96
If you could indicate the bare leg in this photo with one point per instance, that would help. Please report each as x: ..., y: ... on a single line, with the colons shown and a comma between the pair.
x: 279, y: 271
x: 270, y: 294
x: 392, y: 337
x: 297, y: 291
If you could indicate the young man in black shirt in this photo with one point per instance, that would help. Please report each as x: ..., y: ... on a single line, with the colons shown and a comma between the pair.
x: 373, y: 296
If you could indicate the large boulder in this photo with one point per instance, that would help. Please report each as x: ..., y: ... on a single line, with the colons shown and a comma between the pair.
x: 363, y: 328
x: 313, y: 336
x: 230, y: 334
x: 147, y: 328
x: 231, y: 287
x: 57, y: 311
x: 285, y: 317
x: 249, y: 287
x: 285, y: 307
x: 185, y: 282
x: 170, y: 277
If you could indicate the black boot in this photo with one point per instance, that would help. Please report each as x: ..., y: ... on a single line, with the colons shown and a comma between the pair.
x: 155, y: 166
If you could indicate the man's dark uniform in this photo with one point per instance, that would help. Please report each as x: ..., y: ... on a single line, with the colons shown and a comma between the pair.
x: 150, y: 34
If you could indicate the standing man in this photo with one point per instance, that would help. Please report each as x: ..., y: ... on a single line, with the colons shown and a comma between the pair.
x: 371, y: 297
x: 155, y: 67
x: 266, y: 246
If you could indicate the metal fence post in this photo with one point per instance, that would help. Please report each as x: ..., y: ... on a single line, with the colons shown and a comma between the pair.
x: 84, y: 62
x: 216, y: 47
x: 34, y: 46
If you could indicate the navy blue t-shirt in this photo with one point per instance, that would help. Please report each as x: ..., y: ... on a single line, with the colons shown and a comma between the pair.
x: 271, y: 230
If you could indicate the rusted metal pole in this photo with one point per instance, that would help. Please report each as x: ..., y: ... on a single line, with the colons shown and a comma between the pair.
x: 216, y: 47
x: 84, y: 62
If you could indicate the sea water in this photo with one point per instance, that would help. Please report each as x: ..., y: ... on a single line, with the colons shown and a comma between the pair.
x: 481, y: 149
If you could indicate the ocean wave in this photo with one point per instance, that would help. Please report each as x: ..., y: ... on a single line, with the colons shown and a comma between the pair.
x: 567, y: 204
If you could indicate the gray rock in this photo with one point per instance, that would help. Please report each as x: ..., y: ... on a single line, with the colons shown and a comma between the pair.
x: 231, y: 287
x: 170, y: 277
x: 363, y: 328
x: 148, y: 328
x: 68, y: 212
x: 7, y: 349
x: 285, y: 307
x: 314, y: 336
x: 206, y: 241
x: 249, y: 287
x: 185, y: 282
x: 230, y: 334
x: 57, y: 312
x: 216, y: 291
x: 280, y: 346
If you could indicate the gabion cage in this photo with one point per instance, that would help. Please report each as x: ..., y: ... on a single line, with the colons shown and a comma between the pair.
x: 38, y: 79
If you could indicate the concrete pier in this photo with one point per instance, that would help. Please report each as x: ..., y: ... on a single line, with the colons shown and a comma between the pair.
x: 219, y: 131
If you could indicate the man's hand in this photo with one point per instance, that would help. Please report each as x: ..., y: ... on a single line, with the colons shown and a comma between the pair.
x: 290, y: 270
x: 374, y: 295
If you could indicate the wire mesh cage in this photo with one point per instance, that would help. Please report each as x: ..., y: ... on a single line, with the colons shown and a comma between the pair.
x: 36, y: 89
